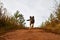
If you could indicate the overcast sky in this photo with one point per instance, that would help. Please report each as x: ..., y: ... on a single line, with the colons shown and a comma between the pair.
x: 41, y: 9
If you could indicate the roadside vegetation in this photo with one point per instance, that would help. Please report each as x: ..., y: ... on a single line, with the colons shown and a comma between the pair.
x: 7, y: 22
x: 53, y: 22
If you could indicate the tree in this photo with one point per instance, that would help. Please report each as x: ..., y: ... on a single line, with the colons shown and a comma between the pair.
x: 3, y: 11
x: 19, y: 17
x: 1, y: 6
x: 52, y: 18
x: 58, y: 13
x: 16, y: 14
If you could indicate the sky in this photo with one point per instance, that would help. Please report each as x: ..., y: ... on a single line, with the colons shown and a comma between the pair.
x: 40, y: 9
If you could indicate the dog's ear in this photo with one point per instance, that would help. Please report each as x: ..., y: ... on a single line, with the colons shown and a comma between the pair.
x: 33, y: 16
x: 30, y: 16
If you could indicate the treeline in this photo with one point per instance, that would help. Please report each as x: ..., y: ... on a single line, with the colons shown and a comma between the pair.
x: 53, y: 22
x: 10, y: 22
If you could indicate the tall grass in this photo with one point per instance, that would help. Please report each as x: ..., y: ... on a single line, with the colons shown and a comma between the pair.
x: 7, y: 23
x: 53, y: 22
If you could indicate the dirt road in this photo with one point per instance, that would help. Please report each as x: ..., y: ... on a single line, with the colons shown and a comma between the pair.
x: 33, y: 34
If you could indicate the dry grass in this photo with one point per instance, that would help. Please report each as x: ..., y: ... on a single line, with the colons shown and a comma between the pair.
x: 7, y: 24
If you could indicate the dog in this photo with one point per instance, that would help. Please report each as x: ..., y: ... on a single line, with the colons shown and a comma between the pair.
x: 32, y: 21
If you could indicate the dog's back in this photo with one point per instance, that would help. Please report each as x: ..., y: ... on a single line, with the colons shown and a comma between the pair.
x: 32, y: 20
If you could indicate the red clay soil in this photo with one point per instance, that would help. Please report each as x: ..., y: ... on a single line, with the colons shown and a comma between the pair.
x: 33, y: 34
